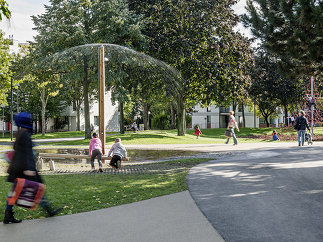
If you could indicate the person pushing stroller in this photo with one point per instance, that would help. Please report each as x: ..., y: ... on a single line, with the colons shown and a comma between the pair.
x: 119, y: 151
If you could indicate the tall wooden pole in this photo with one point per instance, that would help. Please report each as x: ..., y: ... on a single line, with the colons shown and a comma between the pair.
x: 101, y: 98
x: 312, y: 106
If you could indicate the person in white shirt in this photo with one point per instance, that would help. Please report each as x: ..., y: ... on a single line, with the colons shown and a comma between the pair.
x: 232, y: 124
x: 119, y: 151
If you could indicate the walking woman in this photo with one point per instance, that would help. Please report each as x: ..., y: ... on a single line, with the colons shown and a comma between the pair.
x: 232, y: 124
x: 300, y: 125
x: 23, y: 164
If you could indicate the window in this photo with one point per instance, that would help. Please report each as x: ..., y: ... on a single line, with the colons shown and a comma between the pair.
x: 208, y: 109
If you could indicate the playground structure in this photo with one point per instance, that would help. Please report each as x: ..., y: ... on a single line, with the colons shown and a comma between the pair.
x: 312, y: 105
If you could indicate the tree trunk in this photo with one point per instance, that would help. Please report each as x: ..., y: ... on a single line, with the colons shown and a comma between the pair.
x: 286, y: 115
x: 181, y: 117
x: 86, y: 100
x: 243, y: 116
x: 43, y: 121
x: 121, y: 121
x: 266, y: 120
x: 172, y: 116
x: 78, y: 117
x: 234, y: 106
x: 146, y: 115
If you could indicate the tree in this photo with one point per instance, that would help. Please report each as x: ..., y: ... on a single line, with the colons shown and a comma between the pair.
x: 263, y: 86
x: 4, y: 10
x: 5, y: 71
x: 291, y: 30
x: 77, y: 22
x: 197, y: 38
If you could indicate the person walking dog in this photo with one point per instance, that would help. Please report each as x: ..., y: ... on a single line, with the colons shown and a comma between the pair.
x: 23, y: 165
x: 232, y: 124
x: 119, y: 151
x: 95, y: 151
x: 301, y: 124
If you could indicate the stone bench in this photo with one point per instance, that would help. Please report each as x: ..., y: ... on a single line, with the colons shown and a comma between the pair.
x: 65, y: 156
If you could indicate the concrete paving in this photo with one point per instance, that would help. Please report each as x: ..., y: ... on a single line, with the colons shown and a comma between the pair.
x: 171, y: 218
x: 263, y: 195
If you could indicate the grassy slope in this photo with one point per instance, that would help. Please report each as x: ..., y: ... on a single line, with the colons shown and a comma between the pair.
x: 80, y: 193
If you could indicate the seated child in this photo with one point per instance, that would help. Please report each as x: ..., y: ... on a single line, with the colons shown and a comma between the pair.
x: 95, y: 150
x: 274, y: 134
x: 119, y: 151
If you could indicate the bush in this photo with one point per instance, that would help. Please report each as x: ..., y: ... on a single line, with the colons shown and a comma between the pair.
x: 188, y: 120
x: 160, y: 121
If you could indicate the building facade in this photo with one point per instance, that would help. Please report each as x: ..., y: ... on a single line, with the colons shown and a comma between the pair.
x: 217, y: 117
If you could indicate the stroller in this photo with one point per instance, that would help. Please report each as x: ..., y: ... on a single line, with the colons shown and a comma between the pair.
x: 308, y: 138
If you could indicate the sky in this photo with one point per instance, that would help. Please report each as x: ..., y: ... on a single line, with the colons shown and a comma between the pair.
x: 20, y: 24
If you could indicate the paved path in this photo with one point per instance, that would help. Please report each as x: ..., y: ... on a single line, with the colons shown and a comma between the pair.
x: 172, y: 218
x: 263, y: 195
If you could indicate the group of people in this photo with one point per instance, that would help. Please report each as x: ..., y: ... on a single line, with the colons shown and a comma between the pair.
x: 118, y: 151
x: 300, y: 124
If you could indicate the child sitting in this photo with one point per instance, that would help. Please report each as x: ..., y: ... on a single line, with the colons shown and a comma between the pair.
x: 95, y: 150
x: 274, y: 134
x: 197, y: 132
x: 119, y: 151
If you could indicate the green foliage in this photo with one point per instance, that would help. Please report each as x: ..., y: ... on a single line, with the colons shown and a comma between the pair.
x: 291, y: 30
x: 197, y: 38
x: 5, y: 71
x: 160, y: 121
x: 4, y: 10
x: 188, y: 120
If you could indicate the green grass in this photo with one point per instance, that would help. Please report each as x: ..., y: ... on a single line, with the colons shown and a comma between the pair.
x: 81, y: 193
x: 209, y: 136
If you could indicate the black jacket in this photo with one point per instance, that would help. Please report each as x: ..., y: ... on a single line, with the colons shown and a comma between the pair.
x: 23, y: 158
x: 301, y: 123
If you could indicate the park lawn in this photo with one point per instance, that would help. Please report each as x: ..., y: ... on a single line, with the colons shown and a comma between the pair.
x: 81, y: 193
x: 209, y: 136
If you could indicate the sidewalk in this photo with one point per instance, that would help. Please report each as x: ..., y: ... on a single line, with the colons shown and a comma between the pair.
x: 171, y: 218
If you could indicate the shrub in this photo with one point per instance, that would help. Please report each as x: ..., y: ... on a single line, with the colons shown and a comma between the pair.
x: 160, y: 121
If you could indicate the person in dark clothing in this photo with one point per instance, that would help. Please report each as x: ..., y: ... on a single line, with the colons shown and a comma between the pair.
x: 23, y: 164
x: 300, y: 125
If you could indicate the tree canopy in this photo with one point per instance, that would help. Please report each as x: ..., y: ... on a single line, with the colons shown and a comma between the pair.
x: 291, y: 30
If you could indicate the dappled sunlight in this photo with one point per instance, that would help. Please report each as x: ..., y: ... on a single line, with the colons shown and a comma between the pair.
x: 246, y: 194
x: 312, y: 192
x: 290, y: 165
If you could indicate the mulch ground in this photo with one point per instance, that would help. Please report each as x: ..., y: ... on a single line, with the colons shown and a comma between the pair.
x: 281, y: 136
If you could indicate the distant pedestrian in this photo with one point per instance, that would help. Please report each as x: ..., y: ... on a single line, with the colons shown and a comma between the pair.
x: 275, y: 136
x: 119, y: 151
x: 23, y: 165
x: 95, y: 151
x: 232, y: 124
x: 301, y: 124
x: 134, y: 127
x: 92, y: 127
x: 197, y: 132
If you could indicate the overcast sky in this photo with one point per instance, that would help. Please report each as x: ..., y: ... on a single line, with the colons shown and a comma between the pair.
x: 20, y: 25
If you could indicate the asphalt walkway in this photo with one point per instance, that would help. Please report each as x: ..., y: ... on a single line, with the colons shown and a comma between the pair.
x: 263, y: 195
x: 171, y: 218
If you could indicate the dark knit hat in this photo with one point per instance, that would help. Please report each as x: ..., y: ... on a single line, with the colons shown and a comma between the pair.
x: 24, y: 120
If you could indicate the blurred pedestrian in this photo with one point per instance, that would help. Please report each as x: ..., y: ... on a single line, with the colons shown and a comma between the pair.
x: 23, y: 165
